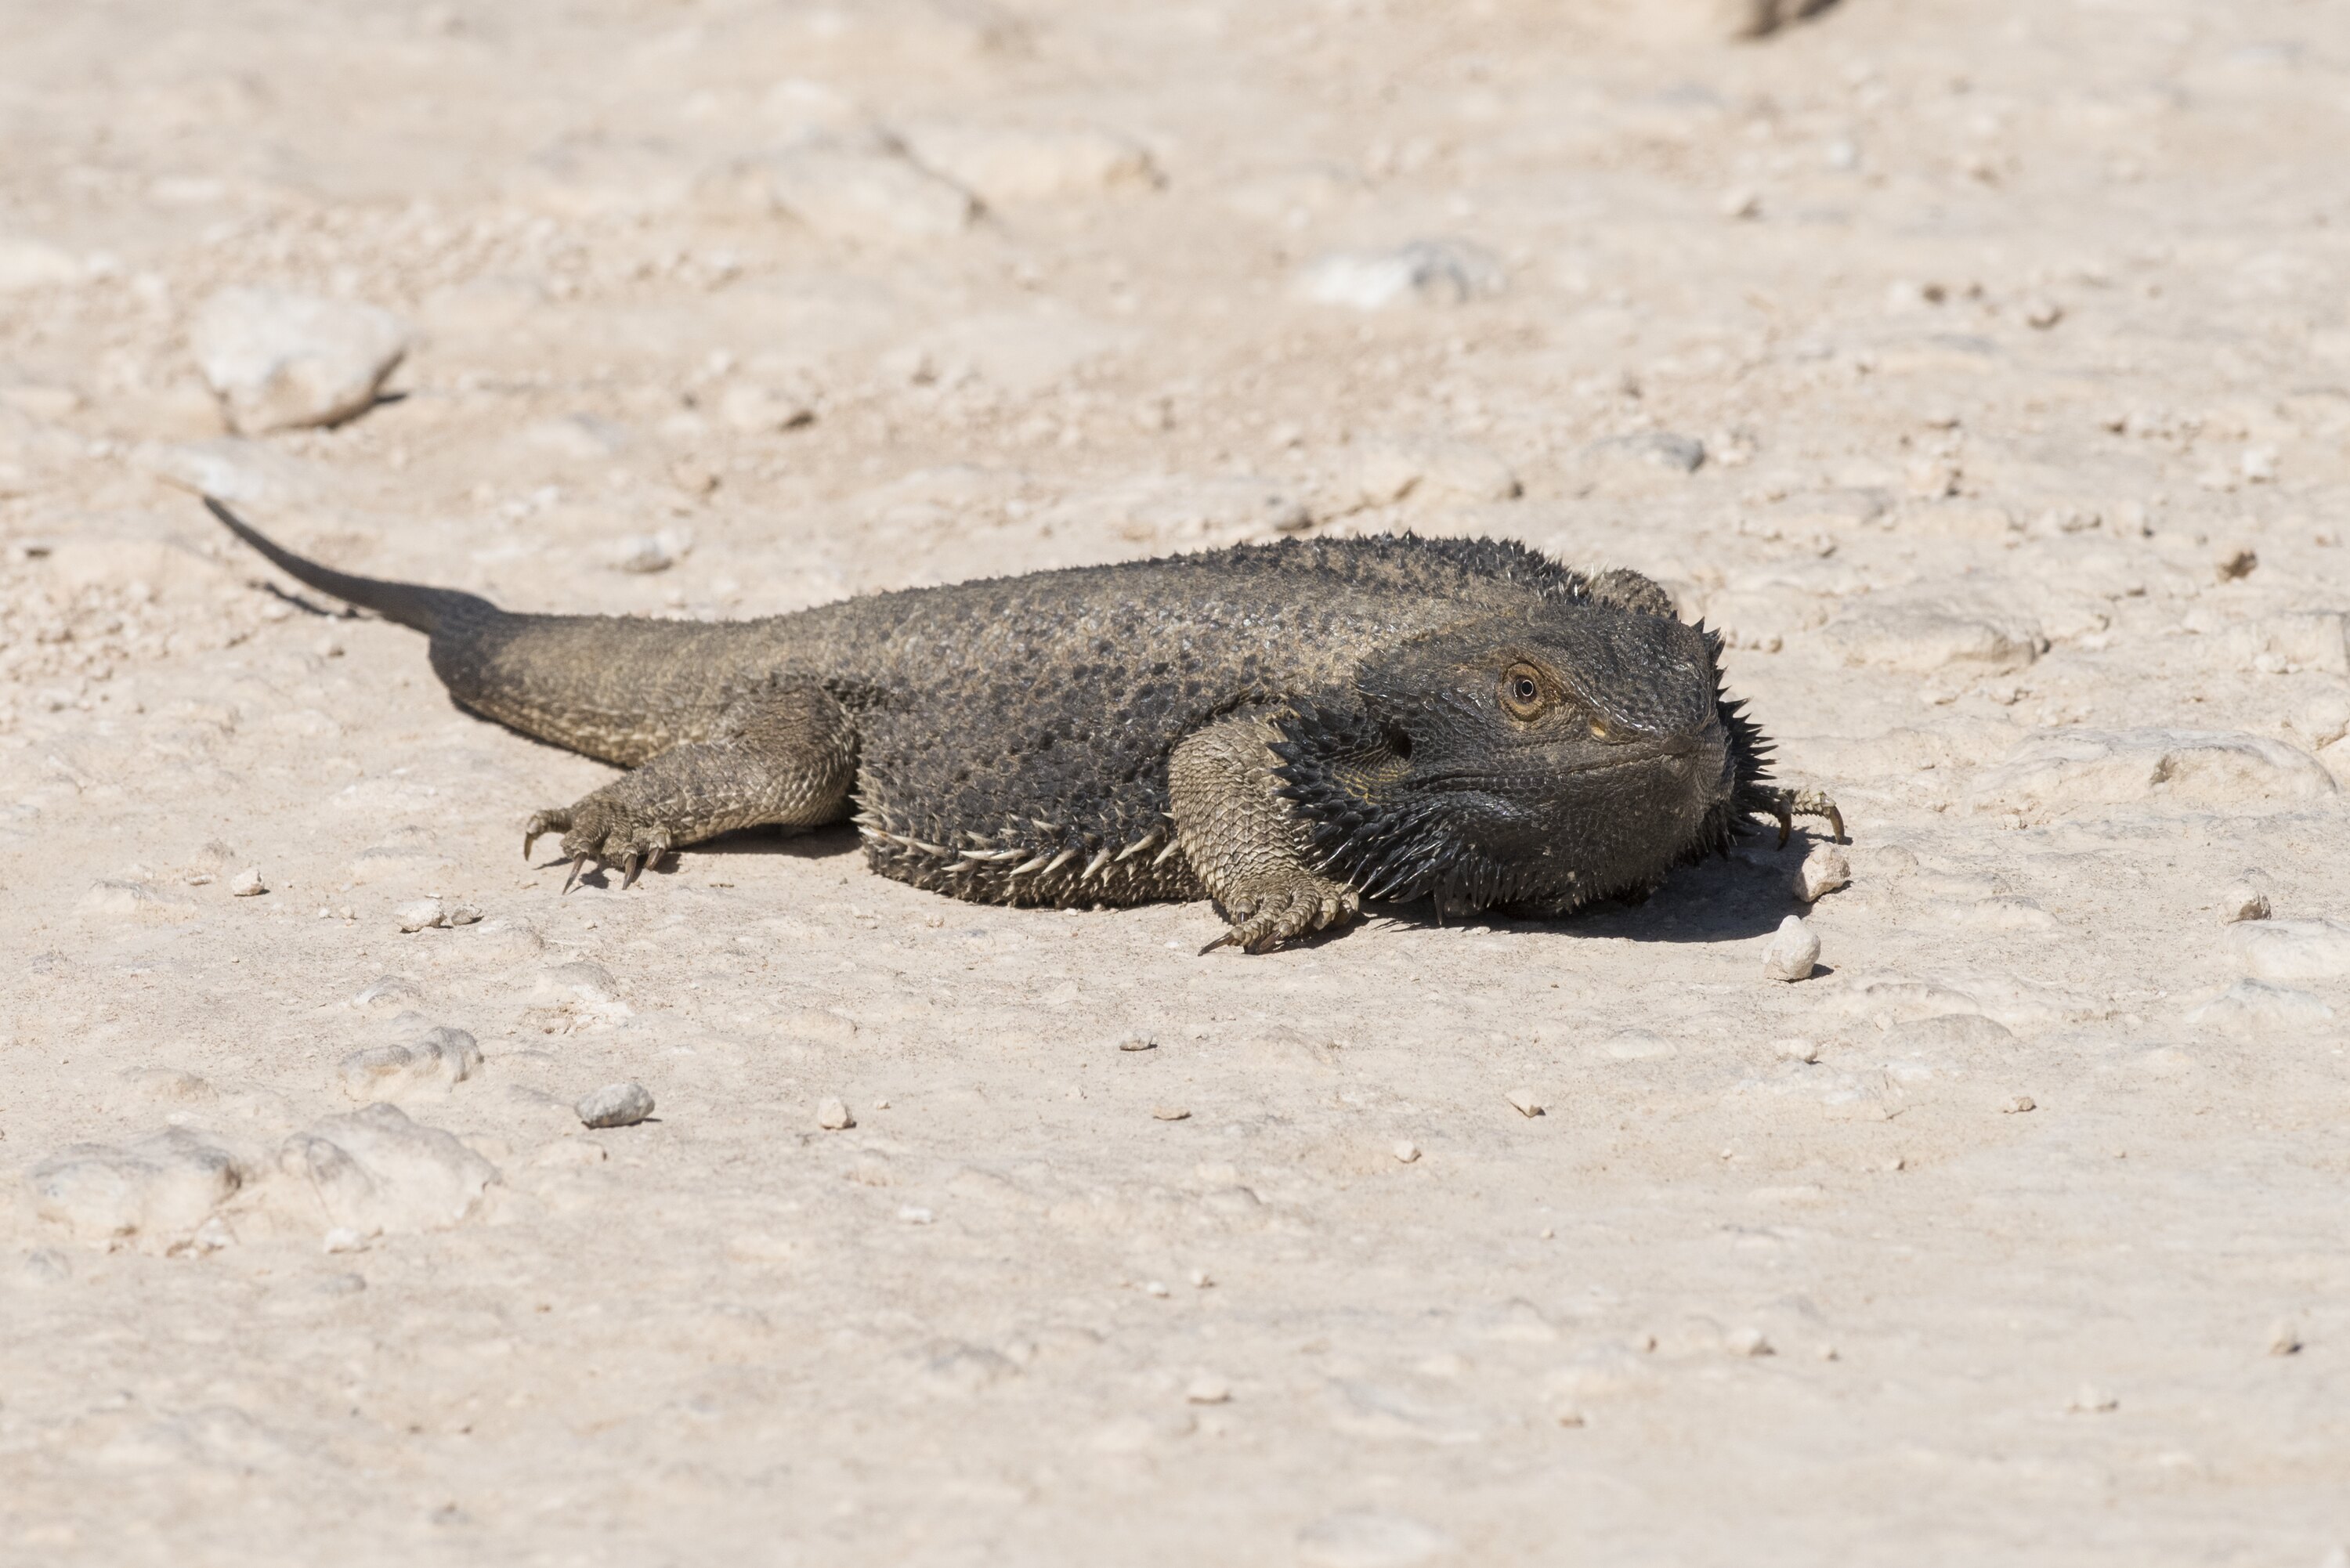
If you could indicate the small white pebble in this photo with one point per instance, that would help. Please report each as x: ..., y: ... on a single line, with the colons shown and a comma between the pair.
x: 1200, y: 1279
x: 464, y: 915
x: 1795, y: 1049
x: 1406, y: 1151
x: 1547, y: 1233
x: 2015, y: 1104
x: 1823, y: 870
x: 2283, y: 1339
x: 1742, y: 204
x: 1207, y: 1389
x: 1170, y: 1113
x: 343, y: 1239
x: 247, y: 883
x: 620, y: 1105
x: 1155, y: 1288
x: 881, y: 1105
x: 2243, y: 902
x: 420, y: 915
x: 1138, y: 1042
x: 1748, y: 1342
x: 2089, y: 1399
x: 914, y: 1214
x: 1793, y: 952
x: 832, y: 1114
x: 1525, y: 1102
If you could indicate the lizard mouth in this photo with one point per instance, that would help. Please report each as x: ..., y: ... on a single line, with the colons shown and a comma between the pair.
x: 1631, y: 755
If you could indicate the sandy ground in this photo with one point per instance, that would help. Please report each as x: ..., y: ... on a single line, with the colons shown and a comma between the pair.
x: 2014, y: 336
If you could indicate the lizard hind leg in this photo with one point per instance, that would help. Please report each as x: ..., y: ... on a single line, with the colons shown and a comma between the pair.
x: 784, y: 756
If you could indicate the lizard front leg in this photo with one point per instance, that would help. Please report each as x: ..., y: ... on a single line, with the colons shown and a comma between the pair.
x: 1247, y: 845
x: 784, y: 756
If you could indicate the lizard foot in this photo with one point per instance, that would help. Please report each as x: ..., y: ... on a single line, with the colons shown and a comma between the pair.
x: 604, y: 831
x: 1264, y: 920
x: 1787, y: 804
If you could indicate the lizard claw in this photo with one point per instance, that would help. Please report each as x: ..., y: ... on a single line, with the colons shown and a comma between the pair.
x: 1262, y: 922
x: 557, y: 821
x: 1786, y: 804
x: 593, y: 832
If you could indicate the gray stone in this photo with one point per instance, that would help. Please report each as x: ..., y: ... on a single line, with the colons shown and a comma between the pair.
x: 375, y: 1171
x: 854, y: 194
x: 2057, y: 770
x: 1426, y: 272
x: 154, y: 1194
x: 1659, y: 450
x: 280, y: 360
x: 431, y: 1064
x: 615, y: 1105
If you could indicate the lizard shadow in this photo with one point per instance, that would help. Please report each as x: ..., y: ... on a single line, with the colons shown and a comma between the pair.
x: 1717, y: 900
x: 815, y: 844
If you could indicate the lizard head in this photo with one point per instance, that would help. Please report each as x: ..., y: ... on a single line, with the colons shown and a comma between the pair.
x: 1535, y: 763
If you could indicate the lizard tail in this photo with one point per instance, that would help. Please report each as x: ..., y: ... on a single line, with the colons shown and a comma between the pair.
x: 428, y: 610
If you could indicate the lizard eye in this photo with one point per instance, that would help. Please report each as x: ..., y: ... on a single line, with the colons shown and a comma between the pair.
x: 1522, y: 691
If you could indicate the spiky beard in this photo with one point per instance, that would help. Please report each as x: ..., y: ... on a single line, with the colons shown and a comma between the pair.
x: 1401, y: 852
x: 1392, y: 851
x: 1750, y: 763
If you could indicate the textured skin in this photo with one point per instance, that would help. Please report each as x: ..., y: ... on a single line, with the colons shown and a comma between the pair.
x: 1283, y: 728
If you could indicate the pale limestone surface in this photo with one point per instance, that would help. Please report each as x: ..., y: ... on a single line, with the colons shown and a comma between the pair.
x: 1979, y: 365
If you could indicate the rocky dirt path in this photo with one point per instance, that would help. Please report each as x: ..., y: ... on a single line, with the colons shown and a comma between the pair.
x: 1983, y: 369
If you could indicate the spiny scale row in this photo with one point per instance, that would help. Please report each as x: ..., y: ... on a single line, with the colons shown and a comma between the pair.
x: 983, y: 870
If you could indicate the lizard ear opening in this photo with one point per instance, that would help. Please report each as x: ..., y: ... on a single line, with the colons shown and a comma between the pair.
x: 1342, y: 758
